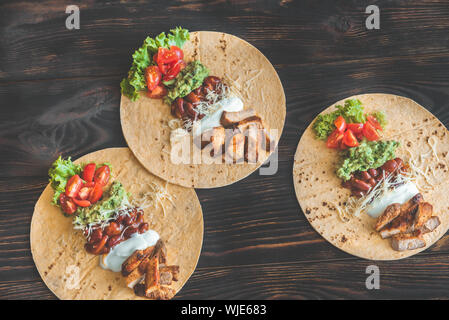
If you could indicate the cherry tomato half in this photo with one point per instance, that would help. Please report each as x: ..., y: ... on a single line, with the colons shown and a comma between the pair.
x: 355, y: 127
x: 177, y: 51
x: 349, y: 139
x: 81, y: 203
x: 96, y: 193
x: 370, y: 132
x: 73, y: 186
x: 166, y: 56
x: 158, y: 92
x: 84, y: 193
x: 67, y: 205
x: 340, y: 124
x: 102, y: 175
x: 334, y: 139
x: 174, y: 70
x: 88, y: 172
x: 153, y: 77
x: 374, y: 122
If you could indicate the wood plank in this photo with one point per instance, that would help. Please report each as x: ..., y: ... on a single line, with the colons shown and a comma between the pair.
x: 38, y: 46
x: 412, y: 278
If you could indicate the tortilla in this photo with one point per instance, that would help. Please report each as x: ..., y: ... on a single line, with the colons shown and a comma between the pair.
x: 144, y: 122
x: 319, y: 190
x: 58, y: 250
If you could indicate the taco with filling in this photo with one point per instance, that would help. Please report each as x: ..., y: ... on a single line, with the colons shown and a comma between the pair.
x: 370, y: 175
x: 105, y: 228
x: 201, y: 109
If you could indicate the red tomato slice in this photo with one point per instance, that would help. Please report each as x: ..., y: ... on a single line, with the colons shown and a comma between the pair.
x: 174, y: 70
x: 355, y: 127
x: 179, y: 53
x: 153, y: 77
x: 370, y: 132
x: 73, y: 186
x: 374, y: 122
x: 340, y: 123
x: 89, y: 184
x: 166, y: 56
x: 96, y: 193
x: 67, y: 204
x: 349, y: 139
x: 82, y: 203
x: 84, y: 193
x: 158, y: 92
x: 102, y: 175
x: 88, y: 172
x: 334, y: 139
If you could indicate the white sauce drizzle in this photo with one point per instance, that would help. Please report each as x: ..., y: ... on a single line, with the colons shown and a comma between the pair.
x: 138, y: 241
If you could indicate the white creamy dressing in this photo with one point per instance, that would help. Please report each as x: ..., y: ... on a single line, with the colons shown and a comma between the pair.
x: 400, y: 195
x: 138, y: 241
x: 212, y: 120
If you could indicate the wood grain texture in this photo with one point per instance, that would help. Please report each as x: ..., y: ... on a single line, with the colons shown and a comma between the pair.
x: 59, y: 93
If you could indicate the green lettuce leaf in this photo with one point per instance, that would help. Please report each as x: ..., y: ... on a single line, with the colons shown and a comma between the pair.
x: 143, y: 57
x: 60, y: 172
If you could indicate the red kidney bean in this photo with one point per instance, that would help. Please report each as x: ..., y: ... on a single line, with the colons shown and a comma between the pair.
x: 179, y: 111
x: 113, y: 241
x: 365, y: 175
x: 113, y: 228
x: 143, y: 227
x: 373, y: 172
x: 346, y: 184
x: 192, y: 97
x: 390, y: 166
x: 129, y: 220
x: 399, y: 162
x: 372, y: 182
x: 361, y: 185
x: 130, y: 231
x: 96, y: 235
x: 96, y: 247
x: 190, y: 110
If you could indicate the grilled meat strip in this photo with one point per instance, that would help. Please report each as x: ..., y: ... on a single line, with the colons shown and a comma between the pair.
x: 410, y: 203
x: 231, y: 118
x: 390, y: 213
x: 408, y: 241
x: 431, y: 224
x: 135, y: 260
x: 402, y: 223
x: 423, y: 214
x: 152, y: 275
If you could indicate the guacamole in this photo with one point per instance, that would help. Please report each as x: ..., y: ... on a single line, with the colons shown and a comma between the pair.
x: 115, y: 198
x: 368, y: 155
x: 189, y: 79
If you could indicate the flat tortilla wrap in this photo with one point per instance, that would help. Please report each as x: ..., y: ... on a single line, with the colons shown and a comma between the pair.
x: 144, y: 122
x: 319, y: 190
x: 58, y: 250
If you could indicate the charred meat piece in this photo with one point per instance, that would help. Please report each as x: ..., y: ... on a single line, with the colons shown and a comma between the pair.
x: 410, y: 203
x: 162, y: 254
x: 165, y: 278
x: 431, y: 224
x: 216, y: 137
x: 403, y: 223
x: 134, y: 277
x: 152, y: 275
x: 245, y: 124
x: 174, y: 270
x: 229, y: 119
x: 408, y: 241
x: 235, y: 148
x: 162, y: 293
x: 423, y: 214
x: 390, y: 213
x: 135, y: 259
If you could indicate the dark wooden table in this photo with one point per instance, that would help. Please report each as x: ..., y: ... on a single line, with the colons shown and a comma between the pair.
x: 59, y: 94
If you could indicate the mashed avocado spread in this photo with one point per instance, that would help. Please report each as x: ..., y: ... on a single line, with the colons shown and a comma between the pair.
x: 115, y: 198
x: 187, y: 80
x: 368, y: 155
